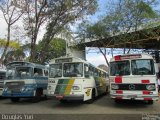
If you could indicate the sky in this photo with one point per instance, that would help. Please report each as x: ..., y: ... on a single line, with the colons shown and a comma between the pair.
x: 92, y: 56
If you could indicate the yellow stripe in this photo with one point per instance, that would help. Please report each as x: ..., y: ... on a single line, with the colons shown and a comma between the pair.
x: 69, y: 87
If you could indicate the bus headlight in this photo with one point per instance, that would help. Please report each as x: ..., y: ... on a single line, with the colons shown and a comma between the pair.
x: 22, y: 89
x: 75, y: 88
x: 150, y: 87
x: 27, y: 88
x: 114, y: 86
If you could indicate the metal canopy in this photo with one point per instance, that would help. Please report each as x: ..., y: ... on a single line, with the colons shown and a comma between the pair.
x: 142, y: 39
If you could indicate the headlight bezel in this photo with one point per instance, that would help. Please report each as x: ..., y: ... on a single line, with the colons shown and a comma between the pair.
x: 75, y: 87
x: 150, y: 87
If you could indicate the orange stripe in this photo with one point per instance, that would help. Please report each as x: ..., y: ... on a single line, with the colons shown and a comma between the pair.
x: 69, y: 87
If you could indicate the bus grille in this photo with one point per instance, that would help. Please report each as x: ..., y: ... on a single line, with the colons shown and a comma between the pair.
x: 133, y: 86
x: 14, y: 86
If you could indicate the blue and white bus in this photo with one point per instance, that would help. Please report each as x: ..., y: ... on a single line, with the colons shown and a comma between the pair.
x: 25, y: 79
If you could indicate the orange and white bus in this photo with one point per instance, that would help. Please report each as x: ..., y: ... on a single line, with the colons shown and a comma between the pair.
x: 133, y: 77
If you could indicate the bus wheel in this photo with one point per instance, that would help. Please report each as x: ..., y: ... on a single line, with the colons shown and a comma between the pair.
x: 16, y: 99
x: 63, y: 101
x: 92, y: 97
x: 107, y: 90
x: 117, y: 100
x: 150, y: 102
x: 39, y: 93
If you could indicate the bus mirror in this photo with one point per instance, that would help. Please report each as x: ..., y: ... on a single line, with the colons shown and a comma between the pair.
x: 156, y: 68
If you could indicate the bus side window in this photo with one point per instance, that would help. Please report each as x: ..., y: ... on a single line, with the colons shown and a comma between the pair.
x: 86, y: 71
x: 45, y: 72
x: 38, y: 72
x: 91, y: 71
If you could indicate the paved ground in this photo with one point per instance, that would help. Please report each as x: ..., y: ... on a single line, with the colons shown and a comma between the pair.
x: 103, y: 106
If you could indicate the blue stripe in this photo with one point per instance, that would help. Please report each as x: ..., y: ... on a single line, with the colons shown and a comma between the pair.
x: 26, y: 94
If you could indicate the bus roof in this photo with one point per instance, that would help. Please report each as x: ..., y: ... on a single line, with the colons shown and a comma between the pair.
x: 30, y: 64
x: 130, y: 57
x: 67, y: 59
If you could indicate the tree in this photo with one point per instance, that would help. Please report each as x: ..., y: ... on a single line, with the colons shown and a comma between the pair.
x: 13, y: 45
x: 14, y: 55
x: 11, y: 15
x: 57, y: 48
x: 14, y: 52
x: 65, y: 12
x: 122, y: 17
x: 36, y: 14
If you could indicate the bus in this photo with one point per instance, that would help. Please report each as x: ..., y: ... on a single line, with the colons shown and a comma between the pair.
x: 24, y: 80
x: 2, y: 77
x: 133, y: 77
x: 72, y: 78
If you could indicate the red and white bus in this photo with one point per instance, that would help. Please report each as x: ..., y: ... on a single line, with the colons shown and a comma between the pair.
x: 133, y: 77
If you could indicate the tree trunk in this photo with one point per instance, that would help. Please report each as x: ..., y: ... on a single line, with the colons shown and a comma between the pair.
x: 104, y: 54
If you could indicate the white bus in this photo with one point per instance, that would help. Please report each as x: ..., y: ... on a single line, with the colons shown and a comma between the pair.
x: 24, y: 80
x: 71, y: 78
x: 2, y: 78
x: 133, y: 77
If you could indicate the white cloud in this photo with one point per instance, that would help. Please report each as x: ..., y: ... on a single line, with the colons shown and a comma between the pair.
x: 19, y: 23
x: 3, y: 30
x: 96, y: 59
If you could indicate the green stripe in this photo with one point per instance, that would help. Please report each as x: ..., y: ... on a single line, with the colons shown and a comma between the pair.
x: 61, y: 86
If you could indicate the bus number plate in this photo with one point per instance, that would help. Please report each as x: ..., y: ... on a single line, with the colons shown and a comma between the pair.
x: 131, y: 96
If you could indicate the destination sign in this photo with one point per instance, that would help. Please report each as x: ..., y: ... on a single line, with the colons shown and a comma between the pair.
x: 63, y: 60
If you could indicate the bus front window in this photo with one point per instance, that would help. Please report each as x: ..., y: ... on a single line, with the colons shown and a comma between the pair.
x: 73, y: 70
x: 23, y: 72
x: 142, y: 67
x: 120, y: 68
x: 55, y: 70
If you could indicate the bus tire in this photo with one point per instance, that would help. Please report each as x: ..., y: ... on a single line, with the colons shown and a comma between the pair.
x: 92, y: 97
x: 150, y: 102
x: 38, y: 95
x: 107, y: 90
x: 63, y: 101
x: 15, y: 99
x: 117, y: 100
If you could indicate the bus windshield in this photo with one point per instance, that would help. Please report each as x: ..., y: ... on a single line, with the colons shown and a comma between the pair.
x: 23, y: 72
x: 73, y: 69
x: 119, y: 68
x: 142, y: 67
x: 55, y: 70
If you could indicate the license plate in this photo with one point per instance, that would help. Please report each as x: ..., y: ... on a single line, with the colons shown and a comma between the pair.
x: 59, y: 97
x: 131, y: 96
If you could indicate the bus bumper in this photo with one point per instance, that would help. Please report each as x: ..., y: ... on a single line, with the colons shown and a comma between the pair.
x: 18, y: 94
x: 69, y: 97
x: 135, y: 97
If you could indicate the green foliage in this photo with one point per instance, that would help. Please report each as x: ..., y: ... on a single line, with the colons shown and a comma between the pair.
x: 12, y: 44
x: 125, y: 16
x: 64, y: 13
x: 56, y: 48
x: 14, y: 55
